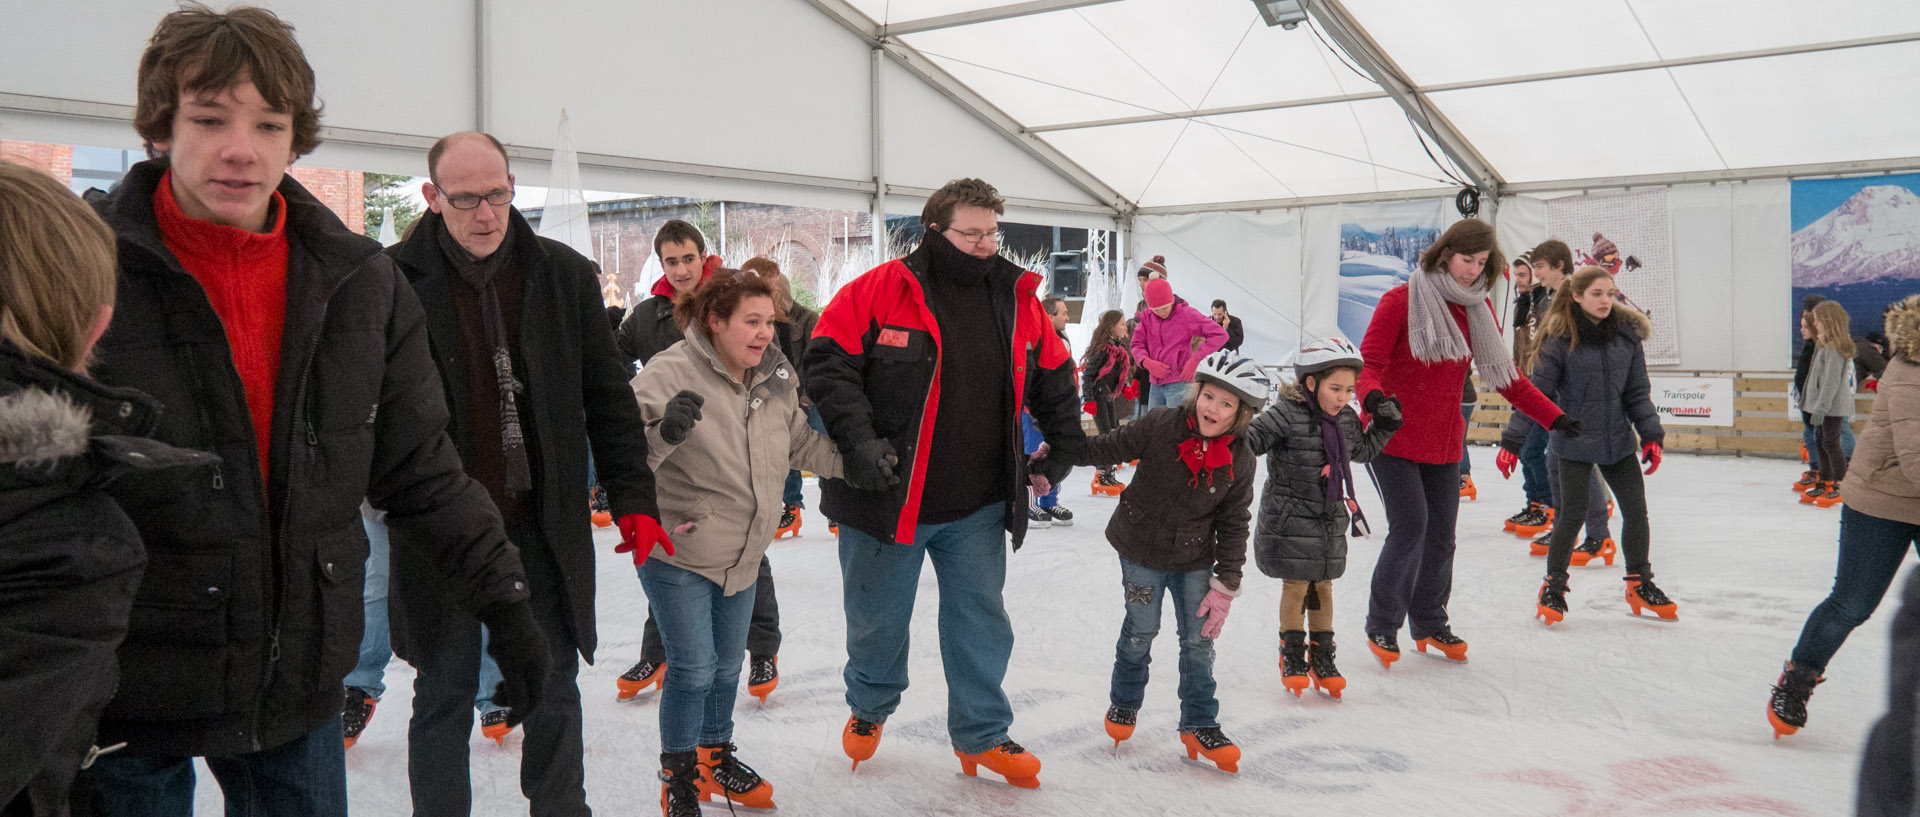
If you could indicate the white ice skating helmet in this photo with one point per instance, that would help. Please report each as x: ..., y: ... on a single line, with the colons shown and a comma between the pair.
x: 1330, y: 352
x: 1241, y: 375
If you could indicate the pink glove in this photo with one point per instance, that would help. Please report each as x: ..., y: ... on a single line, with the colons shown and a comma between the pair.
x: 1193, y: 365
x: 1213, y: 609
x: 1155, y: 368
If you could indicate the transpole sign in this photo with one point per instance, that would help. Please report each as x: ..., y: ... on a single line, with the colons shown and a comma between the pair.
x: 1693, y: 401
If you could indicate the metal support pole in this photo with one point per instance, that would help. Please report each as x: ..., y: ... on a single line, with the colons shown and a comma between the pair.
x: 483, y: 65
x: 877, y: 110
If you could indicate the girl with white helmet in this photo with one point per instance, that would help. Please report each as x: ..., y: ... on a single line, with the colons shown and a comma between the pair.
x: 1312, y: 436
x: 1181, y: 530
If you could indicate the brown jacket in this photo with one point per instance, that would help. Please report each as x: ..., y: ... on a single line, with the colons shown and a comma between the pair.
x: 1883, y: 478
x: 726, y: 477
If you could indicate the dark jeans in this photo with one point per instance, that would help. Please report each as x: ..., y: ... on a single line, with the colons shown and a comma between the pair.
x: 1535, y: 479
x: 1886, y: 766
x: 447, y: 640
x: 1466, y: 458
x: 1105, y: 419
x: 1810, y: 439
x: 1413, y: 579
x: 1871, y: 550
x: 1833, y: 461
x: 1576, y: 480
x: 706, y: 631
x: 1144, y: 589
x: 304, y: 777
x: 1596, y: 505
x: 763, y: 638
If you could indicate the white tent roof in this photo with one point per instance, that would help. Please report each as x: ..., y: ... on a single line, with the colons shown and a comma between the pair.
x: 1082, y: 111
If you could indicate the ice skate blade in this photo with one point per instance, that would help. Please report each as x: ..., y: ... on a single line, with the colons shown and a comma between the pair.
x: 987, y: 780
x: 1439, y: 654
x: 1208, y: 765
x: 1650, y: 615
x: 709, y: 801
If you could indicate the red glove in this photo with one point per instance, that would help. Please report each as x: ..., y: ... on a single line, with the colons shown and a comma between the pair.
x: 1505, y: 461
x: 1155, y: 368
x: 1132, y: 391
x: 1187, y: 371
x: 638, y: 534
x: 1650, y: 454
x: 1089, y: 407
x: 1872, y: 384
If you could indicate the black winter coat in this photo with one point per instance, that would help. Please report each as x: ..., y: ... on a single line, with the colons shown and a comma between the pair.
x: 648, y: 329
x: 1301, y: 536
x: 250, y: 614
x: 1602, y: 383
x: 577, y: 394
x: 794, y: 334
x: 1170, y: 518
x: 70, y: 561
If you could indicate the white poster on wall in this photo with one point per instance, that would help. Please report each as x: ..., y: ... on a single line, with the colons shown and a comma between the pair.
x: 1631, y: 236
x: 1693, y: 401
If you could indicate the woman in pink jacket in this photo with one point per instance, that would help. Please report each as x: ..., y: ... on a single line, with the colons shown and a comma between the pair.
x: 1424, y: 334
x: 1171, y: 341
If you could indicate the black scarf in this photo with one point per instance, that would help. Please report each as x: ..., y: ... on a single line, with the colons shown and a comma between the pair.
x: 1598, y: 333
x: 479, y: 273
x: 955, y: 265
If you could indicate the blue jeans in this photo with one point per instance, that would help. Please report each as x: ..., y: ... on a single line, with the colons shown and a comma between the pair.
x: 1871, y: 551
x: 1535, y: 479
x: 1144, y: 589
x: 1810, y: 437
x: 1033, y: 441
x: 1596, y: 521
x: 880, y: 580
x: 705, y: 635
x: 304, y: 777
x: 1466, y: 457
x: 1169, y: 394
x: 792, y: 495
x: 376, y: 644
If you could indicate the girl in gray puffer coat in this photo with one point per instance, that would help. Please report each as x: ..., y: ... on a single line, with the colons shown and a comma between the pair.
x: 1590, y: 362
x: 1312, y: 435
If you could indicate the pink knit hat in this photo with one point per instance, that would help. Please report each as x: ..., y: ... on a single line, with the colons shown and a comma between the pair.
x: 1159, y: 293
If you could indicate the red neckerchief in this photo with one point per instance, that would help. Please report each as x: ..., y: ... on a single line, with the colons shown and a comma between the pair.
x: 1204, y: 453
x: 665, y: 287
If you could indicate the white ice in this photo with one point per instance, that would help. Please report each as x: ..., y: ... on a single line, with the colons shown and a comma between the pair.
x: 1603, y: 714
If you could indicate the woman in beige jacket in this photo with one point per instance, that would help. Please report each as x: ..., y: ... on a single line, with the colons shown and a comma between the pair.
x: 719, y: 482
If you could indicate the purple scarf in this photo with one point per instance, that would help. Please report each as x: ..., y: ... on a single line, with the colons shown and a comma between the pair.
x: 1339, y: 470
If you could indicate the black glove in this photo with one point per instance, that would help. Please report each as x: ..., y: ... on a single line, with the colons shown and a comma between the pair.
x: 1372, y: 400
x: 1387, y: 414
x: 1055, y: 469
x: 869, y: 466
x: 1568, y: 424
x: 682, y: 412
x: 517, y: 646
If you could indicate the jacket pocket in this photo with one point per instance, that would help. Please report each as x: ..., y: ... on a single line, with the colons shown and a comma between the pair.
x: 340, y: 568
x: 174, y: 663
x: 898, y: 371
x: 1193, y: 543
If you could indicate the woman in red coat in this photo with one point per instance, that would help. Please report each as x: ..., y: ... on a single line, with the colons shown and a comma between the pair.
x: 1416, y: 351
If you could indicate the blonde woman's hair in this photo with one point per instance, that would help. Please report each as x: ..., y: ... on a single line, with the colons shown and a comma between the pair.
x: 1831, y: 327
x: 57, y: 267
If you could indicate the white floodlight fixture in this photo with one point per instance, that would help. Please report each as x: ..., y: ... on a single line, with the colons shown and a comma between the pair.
x: 1286, y: 14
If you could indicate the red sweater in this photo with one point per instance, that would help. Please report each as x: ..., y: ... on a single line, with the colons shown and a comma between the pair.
x: 245, y: 276
x: 1429, y: 393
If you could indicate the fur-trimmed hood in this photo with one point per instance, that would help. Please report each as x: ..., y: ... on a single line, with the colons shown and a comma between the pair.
x: 1903, y: 328
x: 41, y: 428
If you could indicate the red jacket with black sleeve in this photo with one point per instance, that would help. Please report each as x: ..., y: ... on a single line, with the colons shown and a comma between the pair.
x: 873, y: 371
x: 1429, y: 393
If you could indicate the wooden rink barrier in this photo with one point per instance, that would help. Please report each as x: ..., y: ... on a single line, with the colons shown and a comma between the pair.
x: 1762, y: 426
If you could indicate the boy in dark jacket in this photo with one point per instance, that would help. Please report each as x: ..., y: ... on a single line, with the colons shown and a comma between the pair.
x: 1181, y: 530
x: 1314, y: 436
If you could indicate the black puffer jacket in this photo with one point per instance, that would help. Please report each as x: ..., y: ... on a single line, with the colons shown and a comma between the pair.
x: 70, y: 561
x: 1301, y: 536
x: 1171, y: 518
x: 1602, y: 383
x: 250, y: 614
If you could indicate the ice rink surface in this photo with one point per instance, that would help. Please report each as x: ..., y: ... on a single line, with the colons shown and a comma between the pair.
x: 1603, y: 714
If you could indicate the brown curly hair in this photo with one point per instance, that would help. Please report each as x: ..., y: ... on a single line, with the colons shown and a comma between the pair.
x: 1466, y: 237
x: 719, y: 297
x: 201, y: 52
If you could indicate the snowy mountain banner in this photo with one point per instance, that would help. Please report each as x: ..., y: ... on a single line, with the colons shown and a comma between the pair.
x: 1855, y: 241
x: 1630, y: 235
x: 1380, y: 246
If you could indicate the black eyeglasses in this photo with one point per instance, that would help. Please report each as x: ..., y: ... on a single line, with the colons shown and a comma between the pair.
x: 469, y: 201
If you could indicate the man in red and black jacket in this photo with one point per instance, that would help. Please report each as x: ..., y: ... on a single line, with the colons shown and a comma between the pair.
x: 920, y: 369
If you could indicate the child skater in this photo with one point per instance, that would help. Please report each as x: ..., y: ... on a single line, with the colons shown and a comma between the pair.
x: 1589, y: 360
x: 1181, y: 530
x: 1312, y: 436
x: 1106, y: 377
x: 1828, y: 400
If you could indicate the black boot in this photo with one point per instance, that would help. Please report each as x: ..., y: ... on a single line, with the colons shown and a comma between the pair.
x: 1326, y: 677
x: 1293, y: 660
x: 1788, y: 708
x: 1552, y: 604
x: 679, y: 784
